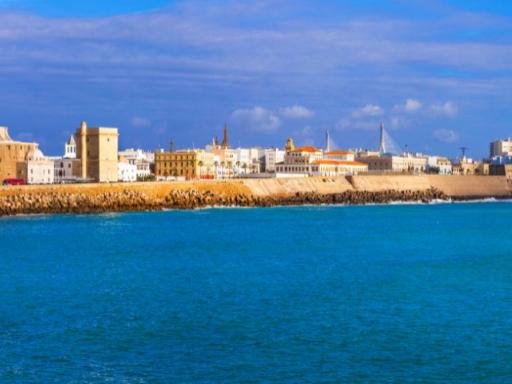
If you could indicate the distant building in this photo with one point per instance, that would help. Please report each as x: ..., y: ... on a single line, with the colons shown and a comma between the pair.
x: 439, y: 165
x: 270, y: 158
x: 97, y: 150
x: 67, y: 168
x: 310, y: 161
x: 187, y: 164
x: 247, y: 161
x: 390, y: 163
x: 466, y: 166
x: 501, y: 148
x: 13, y: 156
x: 143, y: 160
x: 126, y: 172
x: 40, y: 169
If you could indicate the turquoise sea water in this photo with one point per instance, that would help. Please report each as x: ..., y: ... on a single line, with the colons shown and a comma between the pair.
x: 384, y: 294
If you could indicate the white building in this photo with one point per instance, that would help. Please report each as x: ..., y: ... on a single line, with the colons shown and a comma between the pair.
x: 439, y: 164
x: 40, y: 169
x: 247, y: 161
x: 143, y: 160
x: 309, y: 161
x: 126, y: 172
x: 272, y: 156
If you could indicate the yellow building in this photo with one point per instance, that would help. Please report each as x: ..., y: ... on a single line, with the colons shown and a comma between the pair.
x: 14, y: 156
x: 189, y: 164
x: 97, y: 150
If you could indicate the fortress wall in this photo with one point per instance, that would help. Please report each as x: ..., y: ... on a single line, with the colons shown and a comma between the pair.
x: 376, y: 183
x: 290, y: 186
x: 453, y: 186
x: 151, y: 189
x: 471, y: 186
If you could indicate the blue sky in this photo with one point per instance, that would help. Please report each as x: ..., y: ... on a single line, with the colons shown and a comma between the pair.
x: 437, y: 73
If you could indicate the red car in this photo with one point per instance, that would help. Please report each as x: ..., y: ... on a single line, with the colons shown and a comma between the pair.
x: 14, y: 182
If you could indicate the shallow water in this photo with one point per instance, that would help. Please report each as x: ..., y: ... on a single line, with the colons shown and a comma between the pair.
x: 401, y: 293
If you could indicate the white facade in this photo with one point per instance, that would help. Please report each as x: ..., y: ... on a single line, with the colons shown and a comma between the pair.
x: 272, y: 156
x: 70, y: 148
x: 66, y: 169
x: 309, y: 161
x: 40, y: 169
x: 439, y: 163
x: 141, y: 159
x: 126, y: 172
x: 246, y: 161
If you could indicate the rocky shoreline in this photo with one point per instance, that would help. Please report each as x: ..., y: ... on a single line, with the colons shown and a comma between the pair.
x: 129, y: 200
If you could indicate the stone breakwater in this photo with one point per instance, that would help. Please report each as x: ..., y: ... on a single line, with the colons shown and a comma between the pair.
x: 361, y: 189
x: 132, y: 200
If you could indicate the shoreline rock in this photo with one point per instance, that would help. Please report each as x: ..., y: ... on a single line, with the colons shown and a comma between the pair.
x: 129, y: 200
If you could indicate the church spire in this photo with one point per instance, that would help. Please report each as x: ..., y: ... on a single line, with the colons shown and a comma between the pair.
x: 225, y: 140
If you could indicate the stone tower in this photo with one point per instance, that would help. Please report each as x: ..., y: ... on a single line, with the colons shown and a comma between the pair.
x: 82, y: 137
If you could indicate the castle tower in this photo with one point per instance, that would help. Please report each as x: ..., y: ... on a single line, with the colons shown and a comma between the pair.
x: 70, y: 148
x: 171, y: 146
x: 82, y: 137
x: 225, y: 140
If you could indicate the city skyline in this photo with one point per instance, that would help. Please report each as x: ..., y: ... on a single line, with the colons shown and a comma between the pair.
x: 436, y: 73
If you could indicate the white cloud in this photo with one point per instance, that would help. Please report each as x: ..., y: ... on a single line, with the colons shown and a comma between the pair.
x: 367, y: 110
x: 257, y: 119
x: 296, y: 112
x: 410, y: 105
x: 445, y: 135
x: 140, y: 122
x: 447, y: 109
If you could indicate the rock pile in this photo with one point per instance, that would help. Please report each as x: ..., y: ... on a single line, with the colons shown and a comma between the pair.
x: 129, y: 200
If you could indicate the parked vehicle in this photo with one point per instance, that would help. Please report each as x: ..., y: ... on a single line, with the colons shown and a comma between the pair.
x: 14, y: 182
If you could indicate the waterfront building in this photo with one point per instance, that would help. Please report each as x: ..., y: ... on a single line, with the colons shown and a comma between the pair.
x: 501, y: 148
x: 40, y: 169
x: 310, y: 161
x: 185, y: 164
x: 271, y: 157
x: 13, y: 156
x: 126, y: 172
x: 97, y: 150
x: 466, y: 166
x: 405, y: 163
x: 67, y: 168
x: 440, y: 165
x: 224, y: 157
x: 143, y: 160
x: 247, y: 161
x: 339, y: 155
x: 326, y: 167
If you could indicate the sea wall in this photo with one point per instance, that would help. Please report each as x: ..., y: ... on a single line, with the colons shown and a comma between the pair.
x: 452, y: 186
x: 361, y: 189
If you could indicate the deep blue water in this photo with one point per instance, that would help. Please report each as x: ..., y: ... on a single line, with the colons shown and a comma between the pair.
x: 387, y: 294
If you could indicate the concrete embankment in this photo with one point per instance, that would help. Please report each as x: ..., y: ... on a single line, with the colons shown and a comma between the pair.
x: 363, y: 189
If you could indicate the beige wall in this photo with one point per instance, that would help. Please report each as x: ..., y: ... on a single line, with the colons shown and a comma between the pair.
x: 101, y: 153
x: 13, y: 163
